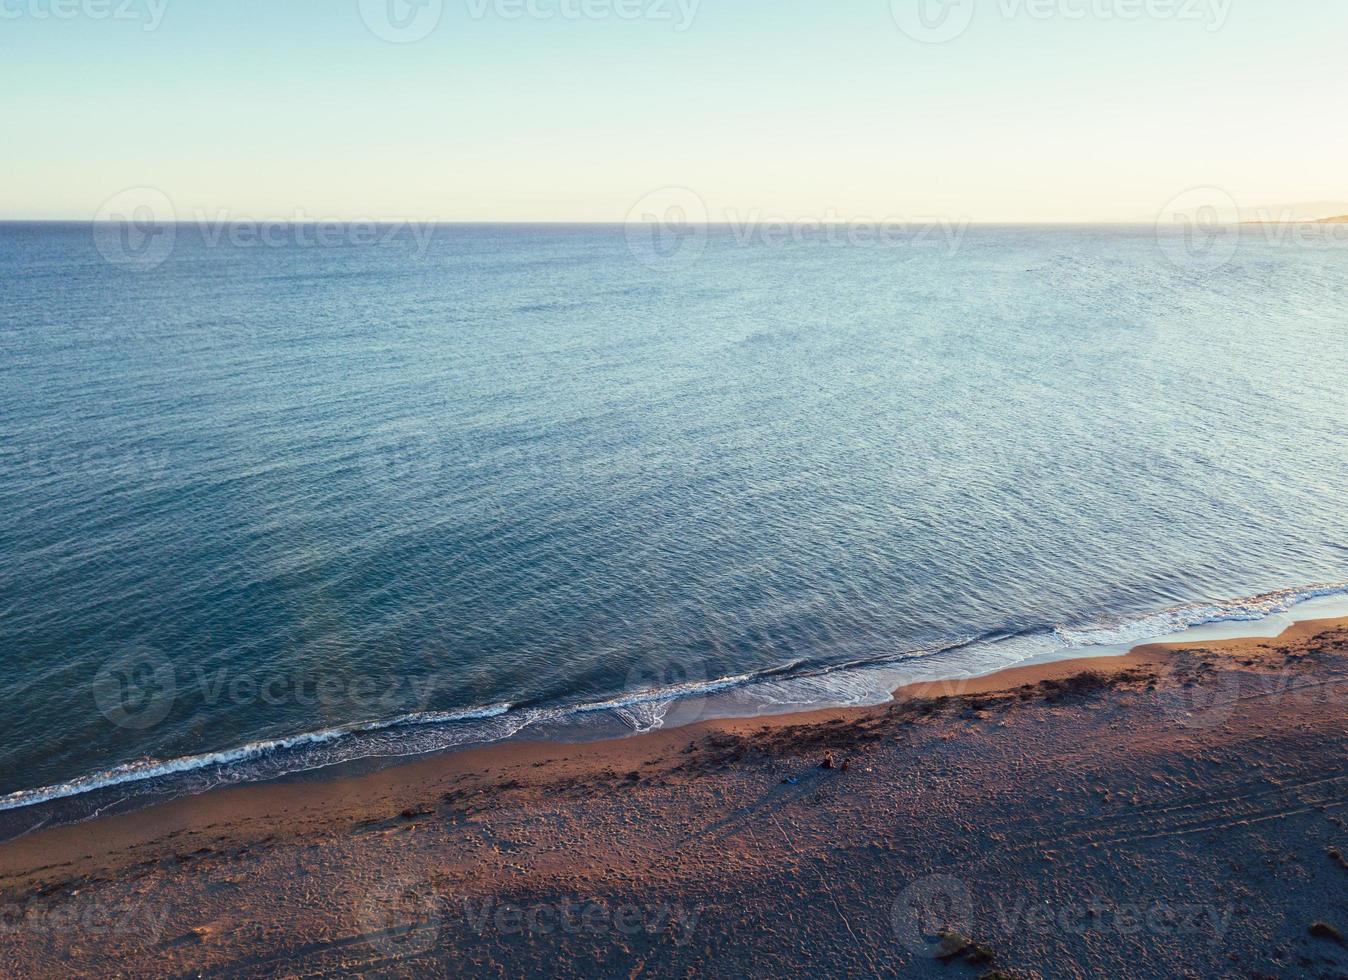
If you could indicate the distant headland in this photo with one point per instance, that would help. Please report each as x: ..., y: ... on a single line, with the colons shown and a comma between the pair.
x: 1341, y: 219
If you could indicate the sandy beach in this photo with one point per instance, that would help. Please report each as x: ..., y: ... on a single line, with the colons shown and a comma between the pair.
x: 621, y: 489
x: 1179, y: 811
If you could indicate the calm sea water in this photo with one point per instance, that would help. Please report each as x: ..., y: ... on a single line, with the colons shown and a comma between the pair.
x: 268, y: 506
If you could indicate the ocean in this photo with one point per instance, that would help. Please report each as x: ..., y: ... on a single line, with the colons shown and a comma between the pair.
x: 279, y: 502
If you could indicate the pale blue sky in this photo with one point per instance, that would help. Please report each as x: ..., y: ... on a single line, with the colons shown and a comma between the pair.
x: 266, y: 108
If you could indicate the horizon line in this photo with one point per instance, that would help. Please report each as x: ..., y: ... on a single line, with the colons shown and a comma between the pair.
x: 492, y: 222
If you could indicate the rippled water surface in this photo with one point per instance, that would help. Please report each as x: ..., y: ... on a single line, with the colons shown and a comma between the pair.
x: 450, y: 492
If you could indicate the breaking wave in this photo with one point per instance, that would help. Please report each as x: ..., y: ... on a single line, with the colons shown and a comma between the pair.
x: 792, y: 686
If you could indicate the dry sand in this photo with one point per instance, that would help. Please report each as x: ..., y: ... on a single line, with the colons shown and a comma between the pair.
x: 1176, y: 812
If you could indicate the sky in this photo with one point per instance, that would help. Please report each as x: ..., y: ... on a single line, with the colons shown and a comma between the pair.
x: 578, y: 110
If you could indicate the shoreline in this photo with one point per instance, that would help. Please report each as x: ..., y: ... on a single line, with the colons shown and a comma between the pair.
x: 180, y: 814
x: 1323, y: 601
x: 992, y: 776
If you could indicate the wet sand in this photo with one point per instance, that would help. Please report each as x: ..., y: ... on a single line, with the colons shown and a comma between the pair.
x: 1176, y: 811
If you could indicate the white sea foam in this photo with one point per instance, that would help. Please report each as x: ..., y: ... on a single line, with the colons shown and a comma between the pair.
x: 1185, y: 617
x: 787, y: 687
x: 148, y: 769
